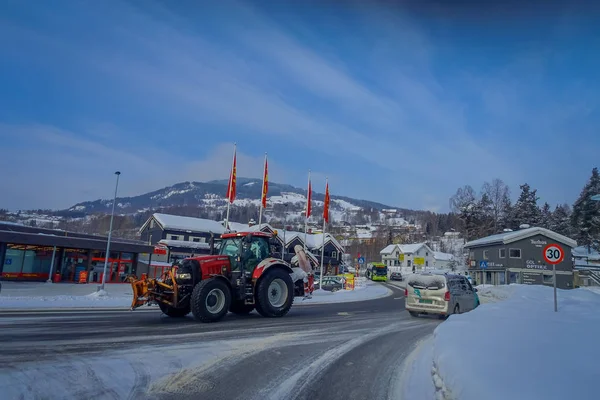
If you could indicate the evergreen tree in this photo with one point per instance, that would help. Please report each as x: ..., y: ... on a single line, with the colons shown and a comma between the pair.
x: 526, y: 210
x: 586, y: 214
x: 561, y: 220
x: 546, y: 216
x: 506, y: 212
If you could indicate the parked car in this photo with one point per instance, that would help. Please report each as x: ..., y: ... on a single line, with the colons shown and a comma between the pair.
x: 332, y: 283
x: 396, y: 276
x: 439, y: 294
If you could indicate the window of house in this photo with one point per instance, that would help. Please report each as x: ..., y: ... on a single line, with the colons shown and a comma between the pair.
x: 426, y: 254
x: 486, y: 254
x: 472, y: 255
x: 514, y: 253
x: 549, y: 279
x: 334, y: 254
x: 408, y: 263
x: 502, y: 253
x: 427, y: 263
x: 196, y: 240
x: 174, y: 237
x: 151, y: 223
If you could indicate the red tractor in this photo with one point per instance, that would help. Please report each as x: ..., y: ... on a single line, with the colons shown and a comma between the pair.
x: 241, y: 277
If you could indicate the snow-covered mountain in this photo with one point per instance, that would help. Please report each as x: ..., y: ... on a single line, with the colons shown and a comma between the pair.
x: 213, y: 194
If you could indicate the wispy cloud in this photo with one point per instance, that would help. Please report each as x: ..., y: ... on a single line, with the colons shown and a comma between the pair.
x: 179, y: 85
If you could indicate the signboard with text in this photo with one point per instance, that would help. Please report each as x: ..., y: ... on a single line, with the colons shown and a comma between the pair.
x: 419, y: 260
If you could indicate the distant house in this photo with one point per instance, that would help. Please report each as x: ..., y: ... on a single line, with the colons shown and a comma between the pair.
x: 406, y: 257
x: 443, y: 260
x: 517, y: 257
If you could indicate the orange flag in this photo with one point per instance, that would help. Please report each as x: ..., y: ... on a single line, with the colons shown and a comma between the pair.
x: 232, y: 176
x: 326, y: 204
x: 265, y: 188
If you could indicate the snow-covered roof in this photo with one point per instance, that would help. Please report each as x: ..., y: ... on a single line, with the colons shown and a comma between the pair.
x: 514, y: 236
x: 410, y: 248
x: 438, y: 255
x: 388, y: 249
x: 179, y: 223
x: 185, y: 244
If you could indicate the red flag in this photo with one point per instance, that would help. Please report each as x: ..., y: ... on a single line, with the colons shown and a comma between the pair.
x: 308, y: 199
x: 232, y: 180
x: 265, y: 188
x: 326, y: 204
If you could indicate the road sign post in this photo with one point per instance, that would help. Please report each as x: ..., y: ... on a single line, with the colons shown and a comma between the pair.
x: 554, y: 254
x: 483, y: 265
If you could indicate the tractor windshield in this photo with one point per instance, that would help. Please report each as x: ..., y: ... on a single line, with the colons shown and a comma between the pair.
x: 231, y: 247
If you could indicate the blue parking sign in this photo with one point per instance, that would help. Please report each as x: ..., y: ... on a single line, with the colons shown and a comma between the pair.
x: 8, y: 261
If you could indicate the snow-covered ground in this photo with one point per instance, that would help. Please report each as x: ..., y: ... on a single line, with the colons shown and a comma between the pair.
x: 21, y: 295
x: 514, y: 346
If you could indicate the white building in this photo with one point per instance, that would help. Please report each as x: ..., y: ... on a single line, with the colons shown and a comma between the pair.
x: 443, y: 260
x: 406, y: 257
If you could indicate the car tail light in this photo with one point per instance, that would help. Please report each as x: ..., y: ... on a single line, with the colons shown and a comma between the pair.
x: 405, y: 292
x: 447, y: 296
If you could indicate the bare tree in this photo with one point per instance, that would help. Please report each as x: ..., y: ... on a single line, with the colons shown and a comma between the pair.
x: 463, y: 198
x: 496, y: 192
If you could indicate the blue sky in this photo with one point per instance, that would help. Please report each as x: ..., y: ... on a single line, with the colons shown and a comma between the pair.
x: 400, y: 105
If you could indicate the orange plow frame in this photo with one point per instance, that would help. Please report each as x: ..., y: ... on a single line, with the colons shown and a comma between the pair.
x: 150, y: 290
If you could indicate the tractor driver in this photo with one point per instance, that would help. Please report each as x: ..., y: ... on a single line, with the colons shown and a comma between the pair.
x: 253, y: 253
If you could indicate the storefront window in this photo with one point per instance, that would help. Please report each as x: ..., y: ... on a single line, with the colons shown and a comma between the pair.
x: 30, y: 262
x: 13, y: 260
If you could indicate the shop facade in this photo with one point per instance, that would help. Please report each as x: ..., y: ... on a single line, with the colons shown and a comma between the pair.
x: 30, y: 254
x: 517, y: 257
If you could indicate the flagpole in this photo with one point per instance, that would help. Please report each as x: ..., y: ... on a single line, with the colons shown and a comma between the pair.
x: 230, y: 188
x: 324, y: 221
x: 307, y: 208
x: 261, y: 195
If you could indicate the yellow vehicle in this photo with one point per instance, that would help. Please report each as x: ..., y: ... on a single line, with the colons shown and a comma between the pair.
x: 377, y: 272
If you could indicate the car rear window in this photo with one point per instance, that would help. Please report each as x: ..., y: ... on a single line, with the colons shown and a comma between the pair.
x: 430, y: 282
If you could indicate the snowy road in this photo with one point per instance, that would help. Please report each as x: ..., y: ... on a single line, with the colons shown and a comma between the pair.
x: 338, y: 351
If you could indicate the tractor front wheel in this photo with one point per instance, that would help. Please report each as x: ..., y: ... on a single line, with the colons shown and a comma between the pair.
x: 239, y: 308
x: 174, y: 312
x: 210, y: 300
x: 274, y: 293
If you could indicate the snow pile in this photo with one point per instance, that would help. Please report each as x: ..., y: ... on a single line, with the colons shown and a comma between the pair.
x: 519, y: 348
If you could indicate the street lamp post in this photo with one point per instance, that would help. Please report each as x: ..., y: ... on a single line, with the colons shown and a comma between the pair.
x: 112, y: 215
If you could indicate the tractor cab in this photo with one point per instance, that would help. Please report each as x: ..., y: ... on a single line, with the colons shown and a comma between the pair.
x: 245, y: 250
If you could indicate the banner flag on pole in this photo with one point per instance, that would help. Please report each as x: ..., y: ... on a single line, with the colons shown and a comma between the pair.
x: 265, y: 188
x: 232, y: 180
x: 326, y: 204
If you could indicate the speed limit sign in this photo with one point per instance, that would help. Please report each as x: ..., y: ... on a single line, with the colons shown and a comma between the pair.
x: 553, y: 254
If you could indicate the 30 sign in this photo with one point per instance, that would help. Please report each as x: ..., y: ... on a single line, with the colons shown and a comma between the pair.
x: 553, y: 254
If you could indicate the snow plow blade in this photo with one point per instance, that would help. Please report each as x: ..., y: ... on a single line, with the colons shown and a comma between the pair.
x: 150, y: 290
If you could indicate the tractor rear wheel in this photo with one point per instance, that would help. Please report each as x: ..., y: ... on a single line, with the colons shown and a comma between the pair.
x: 239, y: 308
x: 174, y: 312
x: 274, y: 293
x: 210, y: 300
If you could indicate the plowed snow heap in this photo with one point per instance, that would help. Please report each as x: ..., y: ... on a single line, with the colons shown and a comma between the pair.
x: 243, y: 276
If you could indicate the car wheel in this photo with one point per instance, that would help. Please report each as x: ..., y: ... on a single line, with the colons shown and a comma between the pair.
x: 413, y: 314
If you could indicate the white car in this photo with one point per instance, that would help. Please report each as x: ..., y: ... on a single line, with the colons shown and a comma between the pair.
x: 439, y: 294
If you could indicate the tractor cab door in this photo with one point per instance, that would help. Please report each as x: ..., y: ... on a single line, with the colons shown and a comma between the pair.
x: 232, y: 248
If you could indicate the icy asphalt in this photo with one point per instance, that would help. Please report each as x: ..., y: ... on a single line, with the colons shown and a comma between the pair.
x: 333, y: 351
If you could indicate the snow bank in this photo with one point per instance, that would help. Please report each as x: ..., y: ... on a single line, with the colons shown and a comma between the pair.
x: 517, y: 347
x: 50, y: 296
x: 19, y: 295
x: 369, y: 291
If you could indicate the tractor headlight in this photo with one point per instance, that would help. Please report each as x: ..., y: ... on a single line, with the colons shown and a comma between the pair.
x: 184, y: 276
